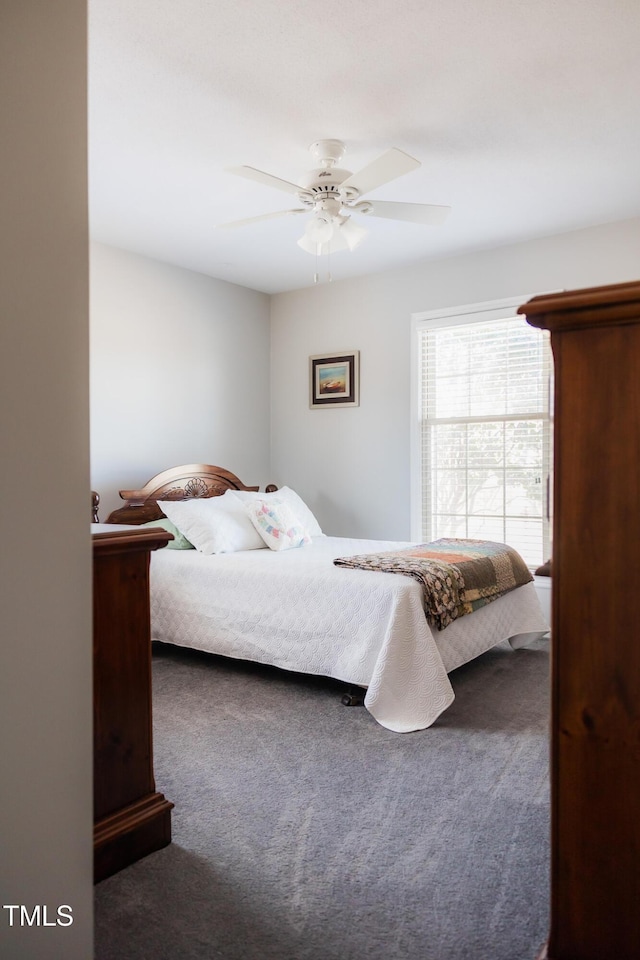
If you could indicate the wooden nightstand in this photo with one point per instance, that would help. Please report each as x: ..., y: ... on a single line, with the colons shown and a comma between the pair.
x: 131, y: 819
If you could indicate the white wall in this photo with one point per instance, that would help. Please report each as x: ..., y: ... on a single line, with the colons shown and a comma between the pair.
x: 352, y: 464
x: 179, y: 373
x: 46, y: 815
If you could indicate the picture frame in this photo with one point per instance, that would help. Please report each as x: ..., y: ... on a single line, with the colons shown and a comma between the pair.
x: 334, y: 379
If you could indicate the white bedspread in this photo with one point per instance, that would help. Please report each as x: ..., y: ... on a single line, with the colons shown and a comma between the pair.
x: 294, y: 609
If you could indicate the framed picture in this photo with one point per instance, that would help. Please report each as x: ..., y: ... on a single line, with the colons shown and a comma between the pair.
x: 334, y: 379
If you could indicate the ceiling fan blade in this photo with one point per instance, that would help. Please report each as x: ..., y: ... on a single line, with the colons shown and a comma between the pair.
x: 263, y: 216
x: 250, y: 173
x: 426, y: 213
x: 392, y: 164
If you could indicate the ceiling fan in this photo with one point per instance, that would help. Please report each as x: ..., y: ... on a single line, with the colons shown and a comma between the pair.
x: 332, y: 195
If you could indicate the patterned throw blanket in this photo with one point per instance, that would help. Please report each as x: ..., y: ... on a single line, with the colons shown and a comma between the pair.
x: 458, y: 576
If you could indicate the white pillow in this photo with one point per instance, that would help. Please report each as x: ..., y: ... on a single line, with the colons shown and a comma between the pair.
x: 291, y: 498
x: 276, y: 523
x: 213, y: 524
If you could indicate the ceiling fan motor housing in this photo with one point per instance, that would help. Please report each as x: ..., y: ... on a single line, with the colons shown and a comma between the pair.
x: 325, y: 185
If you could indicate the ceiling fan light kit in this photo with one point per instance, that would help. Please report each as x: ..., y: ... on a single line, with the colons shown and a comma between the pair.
x: 332, y: 194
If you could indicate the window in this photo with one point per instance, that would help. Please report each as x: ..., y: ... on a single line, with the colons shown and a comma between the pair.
x: 483, y: 429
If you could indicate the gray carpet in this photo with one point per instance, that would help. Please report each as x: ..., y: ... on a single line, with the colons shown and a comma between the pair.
x: 304, y: 830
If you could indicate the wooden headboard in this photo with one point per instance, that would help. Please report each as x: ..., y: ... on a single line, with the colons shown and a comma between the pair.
x: 190, y: 480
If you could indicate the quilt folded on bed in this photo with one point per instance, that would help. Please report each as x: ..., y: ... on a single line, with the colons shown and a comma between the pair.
x: 458, y: 576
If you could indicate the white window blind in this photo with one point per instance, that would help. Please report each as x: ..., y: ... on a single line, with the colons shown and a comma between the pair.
x: 485, y: 432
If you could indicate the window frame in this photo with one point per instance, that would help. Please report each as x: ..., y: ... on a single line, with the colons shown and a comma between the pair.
x: 502, y: 309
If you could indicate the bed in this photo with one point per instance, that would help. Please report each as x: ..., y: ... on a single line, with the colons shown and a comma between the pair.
x: 296, y: 610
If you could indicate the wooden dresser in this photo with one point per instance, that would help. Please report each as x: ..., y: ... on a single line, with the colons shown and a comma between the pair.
x: 595, y: 724
x: 131, y: 819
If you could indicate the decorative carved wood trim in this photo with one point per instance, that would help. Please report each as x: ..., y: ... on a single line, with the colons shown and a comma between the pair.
x: 185, y: 482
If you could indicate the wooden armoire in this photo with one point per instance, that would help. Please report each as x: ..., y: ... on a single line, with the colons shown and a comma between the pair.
x: 595, y: 674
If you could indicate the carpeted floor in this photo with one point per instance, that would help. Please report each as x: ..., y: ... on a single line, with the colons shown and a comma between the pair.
x: 303, y: 830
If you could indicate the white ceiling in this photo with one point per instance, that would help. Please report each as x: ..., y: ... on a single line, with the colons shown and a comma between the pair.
x: 525, y: 116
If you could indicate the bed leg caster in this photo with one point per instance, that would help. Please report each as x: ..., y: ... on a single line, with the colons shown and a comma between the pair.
x: 353, y: 698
